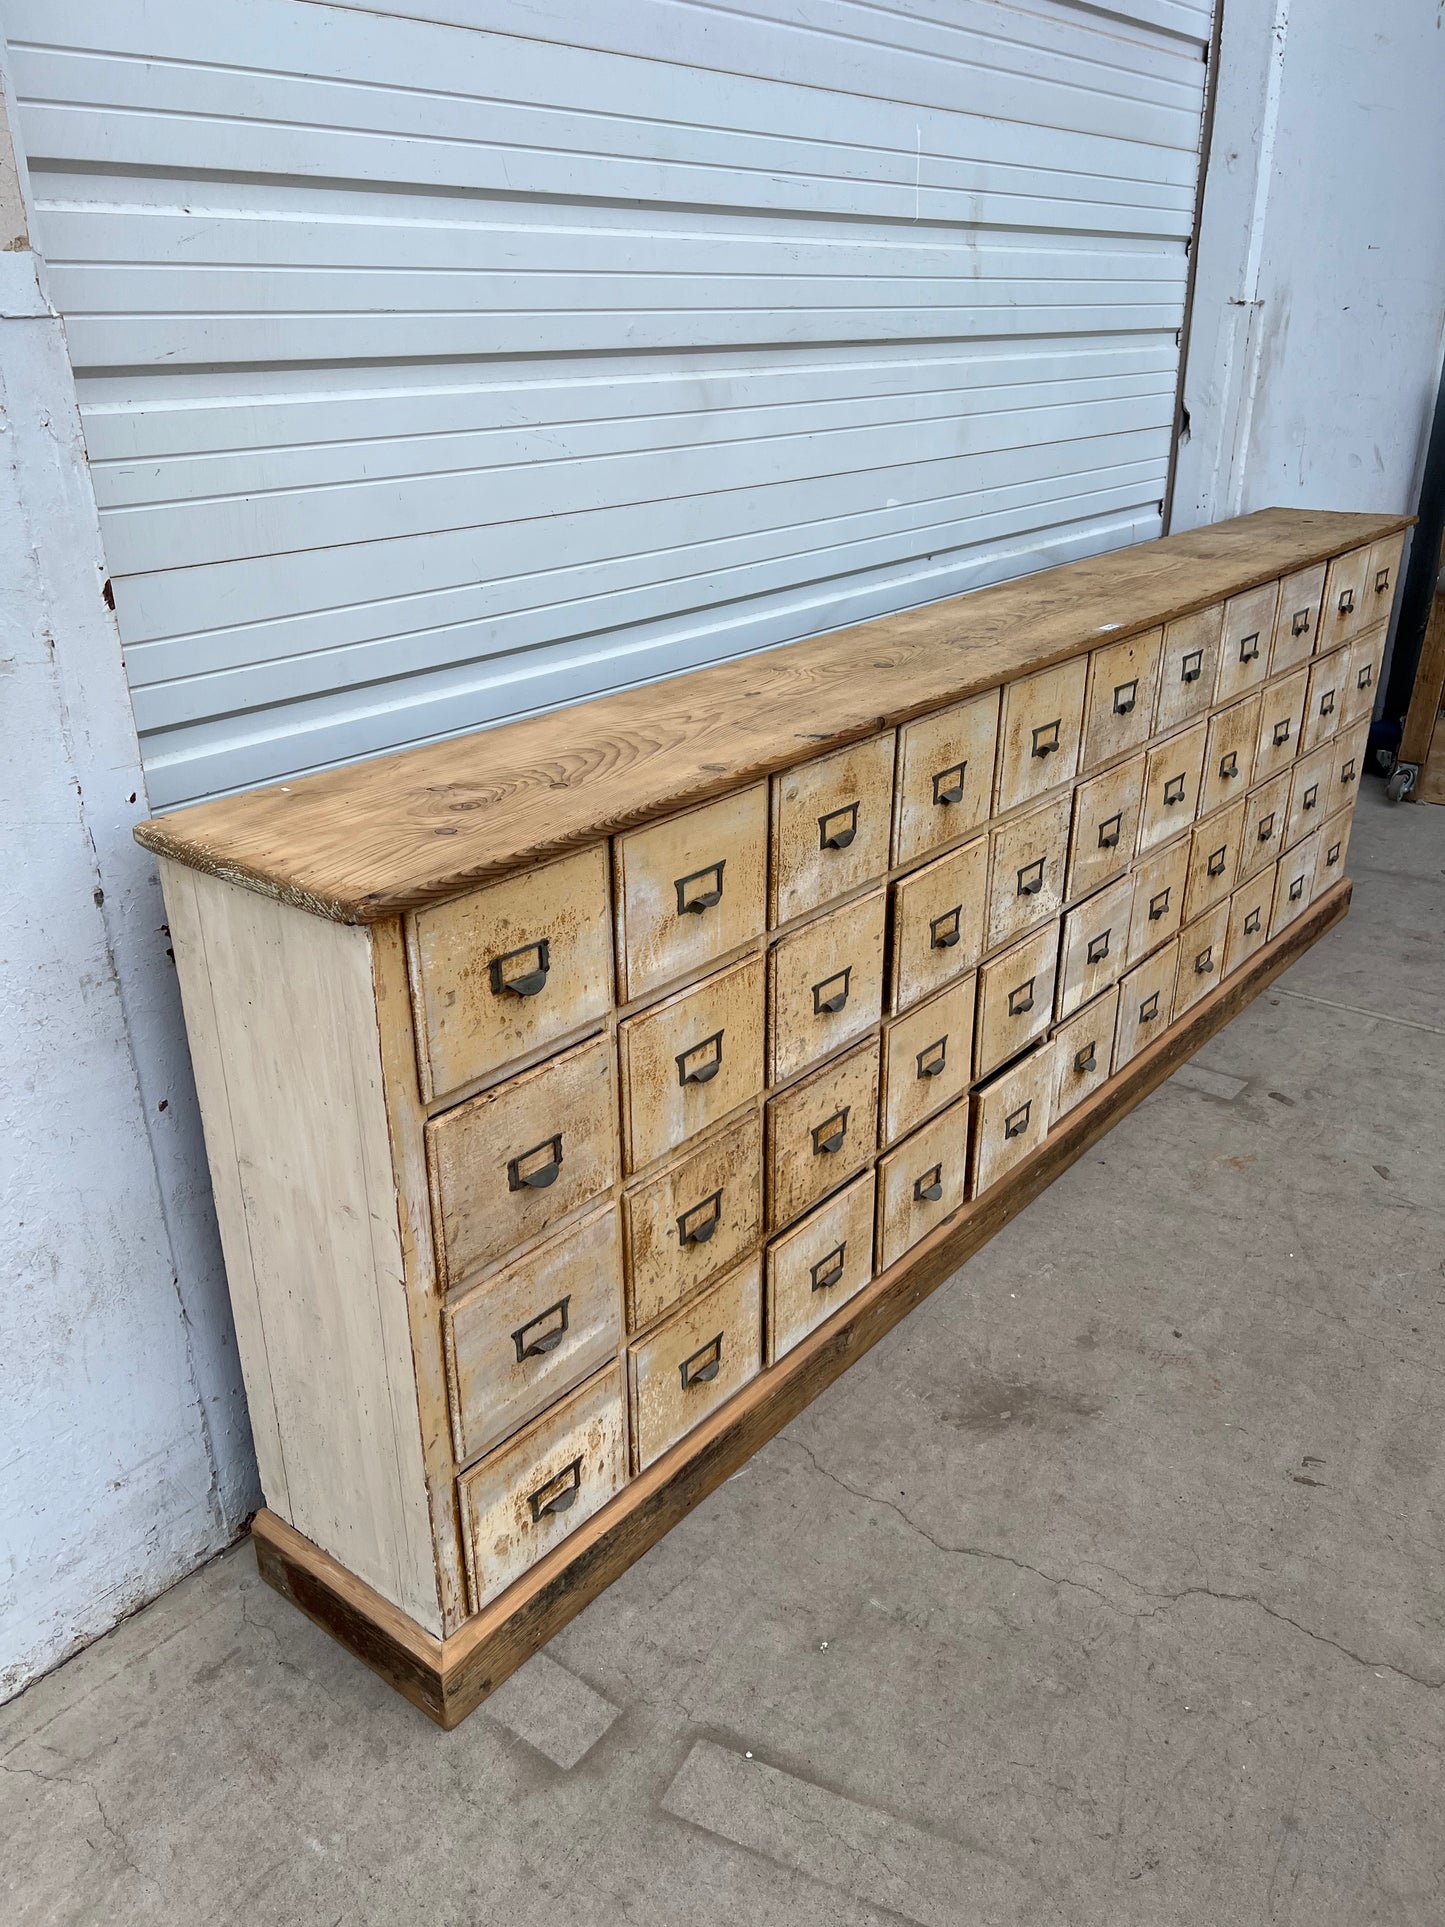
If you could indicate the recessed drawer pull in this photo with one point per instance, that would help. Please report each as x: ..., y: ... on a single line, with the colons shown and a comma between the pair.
x: 1159, y: 905
x: 1300, y: 626
x: 1249, y: 647
x: 1296, y: 889
x: 1366, y: 676
x: 1017, y: 1122
x: 831, y: 994
x: 1021, y: 999
x: 521, y: 983
x: 1031, y: 879
x: 1266, y: 827
x: 1347, y: 771
x: 1252, y: 923
x: 700, y: 890
x: 1110, y: 830
x: 1085, y: 1060
x: 699, y: 1221
x: 700, y: 1063
x: 1327, y: 703
x: 1281, y: 733
x: 704, y: 1365
x: 538, y: 1336
x: 1311, y: 797
x: 829, y: 1270
x: 944, y: 931
x: 524, y: 1172
x: 1215, y: 865
x: 1126, y: 694
x: 948, y: 784
x: 829, y: 1135
x: 1046, y: 737
x: 1192, y: 666
x: 1229, y: 765
x: 1098, y: 947
x: 1149, y: 1009
x: 1382, y: 581
x: 1332, y: 856
x: 932, y: 1058
x: 1174, y: 790
x: 838, y: 828
x: 1347, y: 602
x: 557, y: 1494
x: 1204, y: 962
x: 928, y: 1189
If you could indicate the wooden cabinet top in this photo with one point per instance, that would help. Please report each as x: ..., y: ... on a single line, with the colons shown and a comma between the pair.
x: 372, y: 839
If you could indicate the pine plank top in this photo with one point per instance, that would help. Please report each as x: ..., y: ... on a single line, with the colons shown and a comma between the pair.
x: 373, y: 839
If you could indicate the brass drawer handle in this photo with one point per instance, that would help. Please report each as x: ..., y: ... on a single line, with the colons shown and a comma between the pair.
x: 932, y: 1058
x: 1174, y: 790
x: 1327, y: 703
x: 1347, y: 602
x: 1266, y: 827
x: 1110, y: 830
x: 700, y: 1063
x: 1300, y: 626
x: 697, y: 1224
x: 829, y: 1269
x: 1382, y: 581
x: 523, y: 1174
x: 1098, y: 948
x: 556, y: 1494
x: 928, y: 1189
x: 1126, y: 694
x: 1249, y: 647
x: 1046, y: 737
x: 700, y: 890
x: 1311, y: 796
x: 945, y: 930
x: 1296, y: 889
x: 1017, y: 1122
x: 1191, y: 667
x: 1149, y: 1009
x: 704, y: 1364
x: 1332, y: 856
x: 1281, y: 733
x: 1347, y: 771
x: 829, y: 1135
x: 1021, y: 999
x: 1085, y: 1060
x: 1031, y: 879
x: 1229, y: 765
x: 1215, y: 865
x: 836, y: 987
x: 538, y: 1337
x: 1366, y: 676
x: 1159, y: 904
x: 524, y: 983
x: 1252, y: 922
x: 948, y: 784
x: 837, y: 828
x: 1204, y: 962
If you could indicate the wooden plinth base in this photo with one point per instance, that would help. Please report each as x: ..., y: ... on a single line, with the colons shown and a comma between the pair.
x: 448, y: 1678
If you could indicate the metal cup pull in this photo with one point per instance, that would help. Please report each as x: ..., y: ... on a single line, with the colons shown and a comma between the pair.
x: 1098, y: 947
x: 700, y: 890
x: 1365, y: 677
x: 521, y: 972
x: 1382, y: 581
x: 1332, y: 856
x: 932, y: 1058
x: 948, y: 784
x: 1191, y: 666
x: 1046, y: 737
x: 1229, y: 765
x: 1021, y: 999
x: 944, y: 931
x: 1311, y: 797
x: 1281, y: 732
x: 1347, y: 770
x: 829, y: 1269
x: 1252, y: 923
x: 535, y: 1169
x: 1017, y: 1122
x: 1300, y: 622
x: 928, y: 1188
x: 1249, y: 647
x: 1347, y: 602
x: 1149, y: 1009
x: 1217, y: 859
x: 1296, y: 889
x: 1126, y: 694
x: 1327, y: 703
x: 1204, y: 962
x: 1266, y: 827
x: 696, y: 1225
x: 556, y: 1494
x: 1110, y: 830
x: 831, y: 994
x: 1174, y: 789
x: 704, y: 1365
x: 544, y: 1333
x: 1086, y: 1059
x: 1159, y: 904
x: 829, y: 1135
x: 837, y: 829
x: 700, y: 1063
x: 1031, y: 878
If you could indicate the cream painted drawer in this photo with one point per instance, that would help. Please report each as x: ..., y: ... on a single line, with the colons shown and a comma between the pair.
x: 1266, y: 811
x: 1309, y: 793
x: 938, y: 923
x: 1293, y: 883
x: 506, y: 1165
x: 1345, y: 610
x: 831, y: 826
x: 1145, y: 1001
x: 819, y: 1132
x: 1229, y: 754
x: 690, y: 890
x: 1083, y: 1053
x: 927, y: 1058
x: 1249, y: 910
x: 533, y: 1330
x: 1329, y: 677
x: 1297, y: 620
x: 1173, y: 773
x: 694, y: 1219
x: 817, y: 1266
x: 1346, y: 763
x: 921, y: 1182
x: 505, y: 971
x: 1213, y: 860
x: 530, y: 1493
x: 1381, y: 580
x: 1039, y: 733
x: 1105, y: 828
x: 1011, y: 1118
x: 1281, y: 714
x: 1123, y: 691
x: 1334, y: 849
x: 1016, y: 998
x: 1028, y: 860
x: 1245, y: 643
x: 825, y: 985
x: 1357, y: 705
x: 710, y: 1348
x: 690, y: 1060
x: 1202, y: 946
x: 1190, y: 667
x: 1158, y: 898
x: 945, y: 776
x: 1095, y: 945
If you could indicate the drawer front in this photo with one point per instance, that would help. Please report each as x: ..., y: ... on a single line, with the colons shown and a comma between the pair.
x: 1173, y: 773
x: 1040, y: 733
x: 1083, y: 1053
x: 1229, y: 754
x: 1281, y: 714
x: 1095, y: 945
x: 507, y: 970
x: 708, y: 1349
x: 1011, y: 1118
x: 506, y: 1165
x: 1105, y: 828
x: 1346, y: 606
x: 1122, y: 694
x: 1362, y: 684
x: 831, y: 826
x: 825, y: 985
x: 1347, y: 761
x: 945, y: 776
x: 938, y: 923
x: 1293, y: 883
x: 1297, y: 619
x: 921, y: 1182
x: 927, y: 1058
x: 1245, y: 643
x: 817, y: 1266
x: 1329, y: 676
x: 819, y: 1132
x: 1028, y: 861
x: 1381, y: 580
x: 1266, y: 811
x: 1158, y: 899
x: 690, y: 1060
x: 1145, y: 1003
x: 694, y: 1219
x: 1190, y: 667
x: 689, y: 890
x: 1309, y: 794
x: 1016, y: 998
x: 1333, y: 851
x: 533, y: 1330
x: 1202, y: 946
x: 1214, y: 850
x: 531, y: 1492
x: 1249, y: 910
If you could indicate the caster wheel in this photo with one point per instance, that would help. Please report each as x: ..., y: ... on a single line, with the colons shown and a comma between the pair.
x: 1401, y: 782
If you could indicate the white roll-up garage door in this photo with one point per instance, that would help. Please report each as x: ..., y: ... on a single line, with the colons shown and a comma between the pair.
x: 435, y: 372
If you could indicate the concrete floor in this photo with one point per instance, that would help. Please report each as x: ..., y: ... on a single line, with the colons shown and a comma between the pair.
x: 1110, y: 1588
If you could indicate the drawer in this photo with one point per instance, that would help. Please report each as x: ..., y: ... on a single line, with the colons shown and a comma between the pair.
x: 690, y: 890
x: 507, y: 970
x: 1281, y: 713
x: 1362, y: 684
x: 1083, y: 1053
x: 1346, y: 763
x: 817, y: 1266
x: 1297, y: 619
x: 819, y: 1132
x: 825, y: 985
x: 1202, y: 947
x: 1333, y: 851
x: 1309, y: 793
x: 1213, y: 860
x: 690, y: 1060
x: 1245, y: 642
x: 1173, y: 773
x: 1146, y: 998
x: 710, y: 1348
x: 1249, y: 910
x: 1011, y: 1118
x: 533, y: 1330
x: 831, y: 826
x: 1229, y: 754
x: 1381, y: 580
x: 921, y: 1182
x: 504, y: 1166
x: 1122, y: 694
x: 1266, y: 811
x: 1328, y: 676
x: 945, y: 776
x: 1016, y: 998
x: 1105, y: 828
x: 1345, y: 609
x: 694, y: 1219
x: 1293, y: 883
x: 938, y: 922
x: 1190, y: 667
x: 1028, y: 860
x: 1095, y: 945
x: 927, y: 1058
x: 531, y: 1492
x: 1039, y: 733
x: 1158, y: 898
